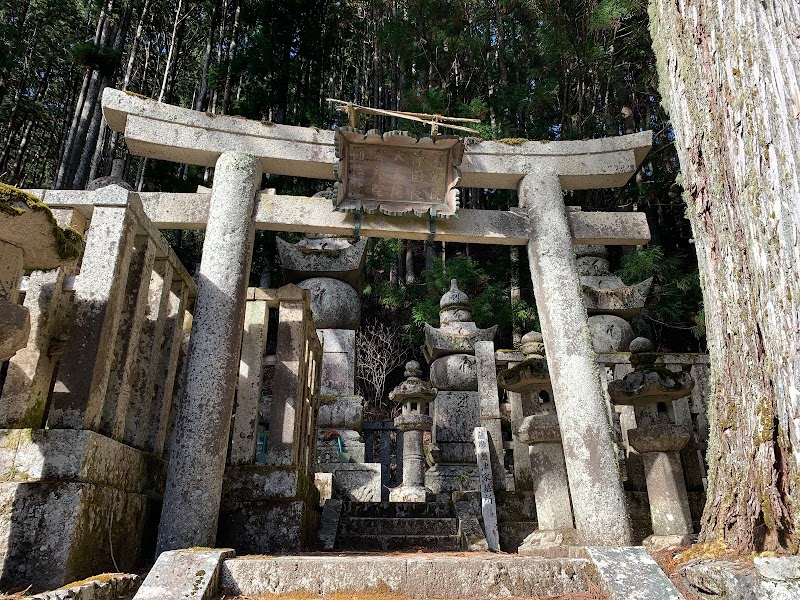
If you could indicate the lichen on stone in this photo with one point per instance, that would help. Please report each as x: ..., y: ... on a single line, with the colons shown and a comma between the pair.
x: 15, y: 202
x: 512, y: 141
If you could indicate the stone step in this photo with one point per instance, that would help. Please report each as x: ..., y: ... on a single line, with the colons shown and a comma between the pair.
x: 387, y: 543
x: 398, y: 526
x: 394, y: 510
x: 474, y: 575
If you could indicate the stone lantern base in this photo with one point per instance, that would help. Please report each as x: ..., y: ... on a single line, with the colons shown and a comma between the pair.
x: 410, y: 493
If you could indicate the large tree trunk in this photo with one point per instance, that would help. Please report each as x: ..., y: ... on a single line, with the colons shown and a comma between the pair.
x: 729, y: 78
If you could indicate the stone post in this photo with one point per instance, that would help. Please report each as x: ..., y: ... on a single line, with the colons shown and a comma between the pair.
x: 594, y: 479
x: 98, y: 300
x: 10, y: 271
x: 197, y: 454
x: 490, y: 409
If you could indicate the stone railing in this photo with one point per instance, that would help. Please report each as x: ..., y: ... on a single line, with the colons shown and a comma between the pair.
x: 295, y: 383
x: 106, y: 333
x: 86, y: 406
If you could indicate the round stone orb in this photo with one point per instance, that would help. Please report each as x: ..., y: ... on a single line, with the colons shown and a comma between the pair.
x: 334, y: 303
x: 610, y: 333
x: 641, y: 344
x: 456, y: 372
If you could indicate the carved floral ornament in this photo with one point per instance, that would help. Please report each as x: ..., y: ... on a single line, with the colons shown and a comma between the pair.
x: 397, y: 173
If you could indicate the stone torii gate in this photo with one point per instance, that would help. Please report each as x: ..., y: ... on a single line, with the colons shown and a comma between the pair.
x: 241, y: 150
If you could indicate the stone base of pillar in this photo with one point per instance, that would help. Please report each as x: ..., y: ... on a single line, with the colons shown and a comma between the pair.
x: 657, y: 543
x: 411, y: 493
x: 267, y: 509
x: 70, y: 496
x: 447, y: 478
x: 544, y: 539
x: 516, y: 518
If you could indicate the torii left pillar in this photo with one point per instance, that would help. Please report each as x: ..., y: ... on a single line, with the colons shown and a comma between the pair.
x: 197, y: 454
x: 594, y: 480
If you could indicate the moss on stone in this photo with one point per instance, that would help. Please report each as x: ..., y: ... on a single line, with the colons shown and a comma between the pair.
x: 14, y: 202
x: 512, y: 141
x: 135, y: 95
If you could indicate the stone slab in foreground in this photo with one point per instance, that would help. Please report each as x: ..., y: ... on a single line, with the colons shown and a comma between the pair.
x: 180, y: 574
x: 630, y: 573
x: 452, y: 576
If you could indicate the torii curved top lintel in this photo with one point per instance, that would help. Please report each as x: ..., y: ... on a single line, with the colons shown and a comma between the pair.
x: 176, y: 134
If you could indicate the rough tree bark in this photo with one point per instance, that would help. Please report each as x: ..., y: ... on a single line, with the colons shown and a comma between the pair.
x: 729, y: 79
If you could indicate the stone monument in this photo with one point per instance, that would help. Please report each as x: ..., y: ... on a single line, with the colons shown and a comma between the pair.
x: 450, y: 349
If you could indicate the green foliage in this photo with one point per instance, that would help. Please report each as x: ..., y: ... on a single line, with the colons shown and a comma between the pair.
x: 676, y: 300
x: 95, y: 56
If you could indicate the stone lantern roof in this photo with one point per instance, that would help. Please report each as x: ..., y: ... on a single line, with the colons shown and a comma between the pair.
x: 413, y: 389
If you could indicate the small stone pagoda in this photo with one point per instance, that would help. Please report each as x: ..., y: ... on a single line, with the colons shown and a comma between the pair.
x: 450, y: 349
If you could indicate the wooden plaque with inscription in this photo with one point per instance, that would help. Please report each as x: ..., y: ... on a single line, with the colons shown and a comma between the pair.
x: 397, y: 173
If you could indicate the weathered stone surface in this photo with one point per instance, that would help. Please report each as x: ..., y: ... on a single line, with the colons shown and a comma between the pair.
x: 592, y: 266
x: 338, y: 362
x: 15, y: 328
x: 456, y: 414
x: 329, y: 523
x: 490, y: 409
x: 594, y: 478
x: 267, y: 509
x: 658, y: 438
x: 550, y: 486
x: 530, y: 373
x: 328, y: 257
x: 610, y: 333
x: 456, y: 372
x: 359, y: 482
x: 542, y: 539
x: 108, y: 586
x: 488, y: 503
x: 83, y: 372
x: 334, y: 304
x: 624, y: 301
x: 777, y: 578
x: 650, y: 386
x: 309, y: 152
x: 409, y: 493
x: 341, y: 412
x: 540, y: 428
x: 67, y: 493
x: 184, y: 574
x: 469, y: 527
x: 631, y: 574
x: 446, y: 478
x: 721, y: 578
x: 198, y: 450
x: 438, y: 576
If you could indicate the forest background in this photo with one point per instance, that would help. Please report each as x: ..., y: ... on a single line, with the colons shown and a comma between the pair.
x: 529, y: 69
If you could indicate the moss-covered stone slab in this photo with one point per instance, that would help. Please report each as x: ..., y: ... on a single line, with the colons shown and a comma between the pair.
x: 28, y: 223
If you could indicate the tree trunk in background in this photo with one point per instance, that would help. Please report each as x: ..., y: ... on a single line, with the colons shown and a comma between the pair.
x: 729, y: 79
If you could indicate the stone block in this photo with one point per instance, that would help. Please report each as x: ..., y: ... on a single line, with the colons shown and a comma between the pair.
x: 340, y: 412
x: 515, y: 506
x: 78, y: 456
x: 189, y: 573
x: 267, y: 526
x: 259, y: 482
x: 778, y: 578
x: 446, y: 478
x: 455, y: 415
x: 329, y: 524
x: 52, y: 533
x: 722, y: 579
x: 475, y: 576
x: 359, y: 482
x: 338, y: 361
x: 456, y: 452
x: 630, y: 573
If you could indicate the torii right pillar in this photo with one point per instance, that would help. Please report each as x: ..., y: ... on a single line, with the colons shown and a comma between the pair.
x: 594, y: 480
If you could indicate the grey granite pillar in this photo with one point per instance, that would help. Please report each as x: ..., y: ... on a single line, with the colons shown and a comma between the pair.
x: 594, y: 480
x: 197, y: 454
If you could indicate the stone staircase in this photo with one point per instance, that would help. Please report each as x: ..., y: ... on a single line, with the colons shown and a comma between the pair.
x: 385, y: 526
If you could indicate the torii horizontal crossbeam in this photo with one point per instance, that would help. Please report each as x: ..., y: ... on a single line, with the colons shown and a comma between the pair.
x: 316, y: 215
x: 167, y: 132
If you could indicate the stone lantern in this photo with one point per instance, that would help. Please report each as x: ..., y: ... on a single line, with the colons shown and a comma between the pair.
x: 651, y: 389
x: 413, y: 395
x: 541, y: 433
